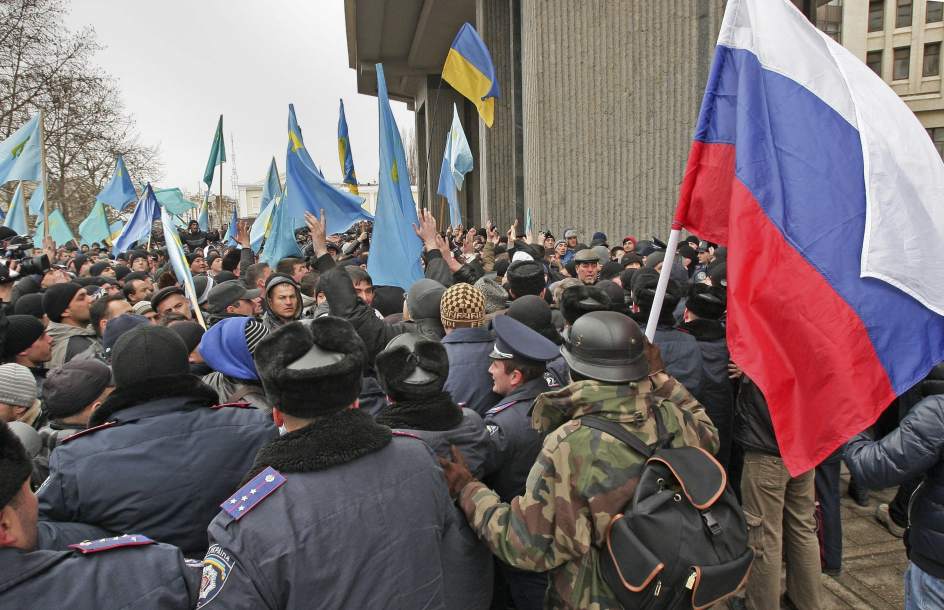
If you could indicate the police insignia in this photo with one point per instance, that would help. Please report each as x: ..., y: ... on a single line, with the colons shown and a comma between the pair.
x: 550, y: 380
x: 217, y: 566
x: 107, y: 544
x: 252, y: 493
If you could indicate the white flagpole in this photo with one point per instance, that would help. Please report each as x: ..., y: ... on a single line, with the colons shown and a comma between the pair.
x: 667, y: 263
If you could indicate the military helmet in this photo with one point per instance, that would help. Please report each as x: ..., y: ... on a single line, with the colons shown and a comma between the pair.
x: 606, y: 346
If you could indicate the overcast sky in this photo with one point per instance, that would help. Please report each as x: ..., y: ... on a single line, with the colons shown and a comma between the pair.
x: 180, y: 64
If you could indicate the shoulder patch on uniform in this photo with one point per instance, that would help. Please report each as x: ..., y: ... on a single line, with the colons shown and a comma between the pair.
x: 237, y: 405
x: 107, y: 424
x: 550, y: 380
x: 500, y: 408
x: 252, y: 493
x: 107, y: 544
x: 217, y: 565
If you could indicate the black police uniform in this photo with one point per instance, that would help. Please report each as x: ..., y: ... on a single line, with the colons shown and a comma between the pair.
x: 121, y: 574
x: 514, y: 444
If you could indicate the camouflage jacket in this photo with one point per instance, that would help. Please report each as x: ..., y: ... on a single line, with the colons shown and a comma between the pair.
x: 581, y: 478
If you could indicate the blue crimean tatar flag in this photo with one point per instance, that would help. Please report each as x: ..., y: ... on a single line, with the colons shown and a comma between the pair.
x: 139, y: 225
x: 21, y: 154
x: 396, y: 250
x: 344, y: 154
x: 16, y: 213
x: 119, y: 191
x: 456, y: 163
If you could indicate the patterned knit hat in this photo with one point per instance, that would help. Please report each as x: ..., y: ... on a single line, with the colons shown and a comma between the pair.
x: 17, y: 386
x: 496, y: 297
x: 462, y: 306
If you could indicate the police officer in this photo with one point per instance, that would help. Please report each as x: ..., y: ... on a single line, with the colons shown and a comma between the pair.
x: 121, y: 572
x: 519, y: 360
x: 340, y: 511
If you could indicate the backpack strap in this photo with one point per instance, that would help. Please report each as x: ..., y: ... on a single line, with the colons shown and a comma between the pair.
x: 617, y: 431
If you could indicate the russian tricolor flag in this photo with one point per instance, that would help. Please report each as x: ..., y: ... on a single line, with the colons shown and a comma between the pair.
x: 830, y: 196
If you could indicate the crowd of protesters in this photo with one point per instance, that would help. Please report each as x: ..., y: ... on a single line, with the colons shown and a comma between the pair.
x: 306, y: 439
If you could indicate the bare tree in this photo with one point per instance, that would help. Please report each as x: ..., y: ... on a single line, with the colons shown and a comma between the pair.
x: 409, y: 148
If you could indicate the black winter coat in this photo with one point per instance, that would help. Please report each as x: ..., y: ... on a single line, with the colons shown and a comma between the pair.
x: 916, y: 447
x: 753, y: 428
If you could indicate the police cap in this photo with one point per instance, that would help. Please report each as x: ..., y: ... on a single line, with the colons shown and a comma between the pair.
x: 515, y: 341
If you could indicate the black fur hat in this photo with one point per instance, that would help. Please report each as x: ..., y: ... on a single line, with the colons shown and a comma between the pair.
x: 15, y: 465
x: 412, y: 367
x: 578, y: 300
x: 309, y: 369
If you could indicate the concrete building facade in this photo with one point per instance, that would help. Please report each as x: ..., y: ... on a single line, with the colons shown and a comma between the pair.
x: 599, y: 102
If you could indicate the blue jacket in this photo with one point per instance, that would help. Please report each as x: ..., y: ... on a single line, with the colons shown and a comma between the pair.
x: 913, y: 450
x: 159, y: 468
x: 363, y: 520
x: 152, y: 576
x: 681, y: 356
x: 469, y: 382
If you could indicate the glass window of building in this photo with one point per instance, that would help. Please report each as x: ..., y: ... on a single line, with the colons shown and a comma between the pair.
x: 937, y: 136
x: 903, y: 14
x: 935, y: 12
x: 932, y: 59
x: 873, y: 59
x: 829, y: 19
x: 876, y: 15
x: 901, y: 68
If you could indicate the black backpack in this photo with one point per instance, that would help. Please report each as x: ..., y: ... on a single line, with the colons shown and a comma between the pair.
x: 681, y: 542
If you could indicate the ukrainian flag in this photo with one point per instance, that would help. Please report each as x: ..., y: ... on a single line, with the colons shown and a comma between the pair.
x: 344, y: 154
x: 470, y: 71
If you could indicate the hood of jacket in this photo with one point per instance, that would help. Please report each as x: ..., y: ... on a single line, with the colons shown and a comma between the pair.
x: 276, y: 280
x: 59, y: 332
x: 224, y: 349
x: 627, y: 402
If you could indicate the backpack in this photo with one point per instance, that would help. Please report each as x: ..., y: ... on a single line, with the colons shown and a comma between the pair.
x: 681, y: 542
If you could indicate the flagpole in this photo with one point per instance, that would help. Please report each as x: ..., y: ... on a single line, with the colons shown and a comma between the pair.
x: 667, y: 263
x: 42, y: 152
x: 221, y: 196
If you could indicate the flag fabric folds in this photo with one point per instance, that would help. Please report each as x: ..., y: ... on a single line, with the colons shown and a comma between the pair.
x: 173, y: 201
x: 217, y: 154
x: 470, y: 71
x: 281, y: 240
x: 230, y: 238
x: 119, y: 191
x: 307, y: 190
x: 787, y: 158
x: 203, y: 219
x: 16, y: 213
x: 344, y: 154
x: 139, y: 225
x: 21, y: 153
x: 271, y: 194
x: 95, y: 227
x: 395, y: 248
x: 37, y: 200
x: 178, y: 261
x: 115, y: 230
x: 58, y: 228
x: 456, y: 163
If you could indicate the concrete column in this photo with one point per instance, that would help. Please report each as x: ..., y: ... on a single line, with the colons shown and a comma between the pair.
x: 434, y: 105
x: 611, y: 91
x: 495, y: 20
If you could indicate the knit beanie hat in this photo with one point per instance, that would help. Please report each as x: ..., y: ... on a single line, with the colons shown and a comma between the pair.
x: 73, y: 386
x: 309, y: 369
x: 462, y: 306
x: 22, y: 332
x: 423, y: 299
x: 149, y: 353
x: 121, y: 272
x: 17, y: 386
x: 412, y: 367
x: 119, y: 326
x: 535, y: 313
x: 77, y: 263
x: 15, y: 466
x: 30, y: 305
x: 57, y: 299
x: 496, y: 297
x: 190, y: 332
x: 97, y: 268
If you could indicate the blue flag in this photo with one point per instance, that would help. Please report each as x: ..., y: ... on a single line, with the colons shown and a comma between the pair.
x: 21, y: 155
x: 271, y: 193
x: 204, y: 218
x: 281, y: 241
x: 272, y: 187
x: 115, y: 230
x: 178, y: 262
x: 95, y: 226
x: 119, y: 191
x: 173, y: 201
x: 231, y: 232
x: 344, y: 154
x: 395, y: 251
x: 306, y: 190
x: 58, y: 228
x: 456, y: 163
x: 138, y: 226
x: 16, y: 213
x: 37, y: 200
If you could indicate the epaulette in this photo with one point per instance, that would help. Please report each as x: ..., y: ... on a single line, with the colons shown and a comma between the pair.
x: 237, y: 405
x: 107, y: 424
x: 499, y: 408
x: 107, y: 544
x: 252, y: 493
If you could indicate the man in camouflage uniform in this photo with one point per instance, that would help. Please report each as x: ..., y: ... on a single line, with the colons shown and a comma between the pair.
x: 583, y: 477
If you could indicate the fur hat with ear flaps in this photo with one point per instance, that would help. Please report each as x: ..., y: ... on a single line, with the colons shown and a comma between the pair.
x: 412, y: 367
x: 310, y: 369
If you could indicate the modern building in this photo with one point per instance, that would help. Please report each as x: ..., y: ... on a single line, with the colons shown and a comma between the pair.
x: 598, y: 103
x: 901, y: 41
